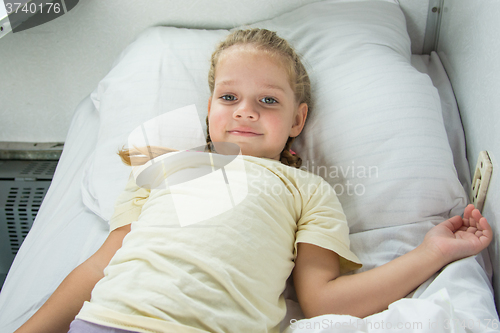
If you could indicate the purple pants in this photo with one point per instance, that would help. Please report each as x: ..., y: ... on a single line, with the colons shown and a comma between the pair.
x: 81, y: 326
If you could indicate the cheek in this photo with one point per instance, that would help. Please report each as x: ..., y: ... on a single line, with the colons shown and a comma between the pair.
x: 279, y: 124
x: 215, y: 125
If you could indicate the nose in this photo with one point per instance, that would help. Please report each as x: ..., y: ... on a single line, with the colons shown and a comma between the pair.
x: 245, y: 111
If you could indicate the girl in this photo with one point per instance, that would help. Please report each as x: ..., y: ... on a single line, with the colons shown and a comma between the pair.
x: 227, y: 273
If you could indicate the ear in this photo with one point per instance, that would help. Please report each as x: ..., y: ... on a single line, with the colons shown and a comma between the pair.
x: 299, y: 120
x: 209, y: 105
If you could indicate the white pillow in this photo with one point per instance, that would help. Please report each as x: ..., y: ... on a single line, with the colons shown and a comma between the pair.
x: 375, y: 132
x: 164, y: 70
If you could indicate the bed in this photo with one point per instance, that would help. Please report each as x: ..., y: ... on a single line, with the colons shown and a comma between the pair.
x: 385, y: 132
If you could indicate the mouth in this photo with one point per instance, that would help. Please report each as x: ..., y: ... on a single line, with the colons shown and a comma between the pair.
x: 244, y: 132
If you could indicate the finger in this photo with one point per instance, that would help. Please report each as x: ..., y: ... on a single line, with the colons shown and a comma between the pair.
x: 472, y: 223
x: 476, y: 214
x: 483, y: 225
x: 468, y: 211
x: 466, y: 222
x: 454, y: 223
x: 484, y: 232
x: 475, y: 218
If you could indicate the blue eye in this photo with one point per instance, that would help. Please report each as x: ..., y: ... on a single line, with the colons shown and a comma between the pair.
x: 228, y: 98
x: 269, y: 100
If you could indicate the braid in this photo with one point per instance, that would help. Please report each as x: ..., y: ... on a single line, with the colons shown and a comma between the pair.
x: 209, y: 140
x: 288, y: 158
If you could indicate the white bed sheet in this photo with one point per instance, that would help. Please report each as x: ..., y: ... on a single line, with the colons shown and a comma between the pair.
x: 66, y: 232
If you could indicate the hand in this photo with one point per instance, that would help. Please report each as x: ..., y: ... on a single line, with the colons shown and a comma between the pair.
x: 458, y: 237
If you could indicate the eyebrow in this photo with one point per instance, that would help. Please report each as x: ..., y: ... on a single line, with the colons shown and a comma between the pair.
x: 232, y: 82
x: 272, y: 86
x: 225, y: 83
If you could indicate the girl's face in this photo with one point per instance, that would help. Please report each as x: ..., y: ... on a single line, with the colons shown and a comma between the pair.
x: 253, y: 104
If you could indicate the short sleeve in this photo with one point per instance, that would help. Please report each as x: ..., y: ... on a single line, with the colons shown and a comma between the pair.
x: 323, y: 223
x: 128, y: 205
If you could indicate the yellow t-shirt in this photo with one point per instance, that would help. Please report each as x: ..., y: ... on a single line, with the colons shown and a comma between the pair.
x: 222, y: 273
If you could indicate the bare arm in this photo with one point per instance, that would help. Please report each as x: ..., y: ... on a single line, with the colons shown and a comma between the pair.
x: 66, y: 301
x: 321, y: 290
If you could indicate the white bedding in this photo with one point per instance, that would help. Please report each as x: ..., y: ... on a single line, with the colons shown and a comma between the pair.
x: 66, y: 233
x: 71, y: 223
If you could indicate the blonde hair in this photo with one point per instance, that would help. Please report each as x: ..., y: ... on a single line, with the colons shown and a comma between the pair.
x: 140, y: 155
x: 267, y: 41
